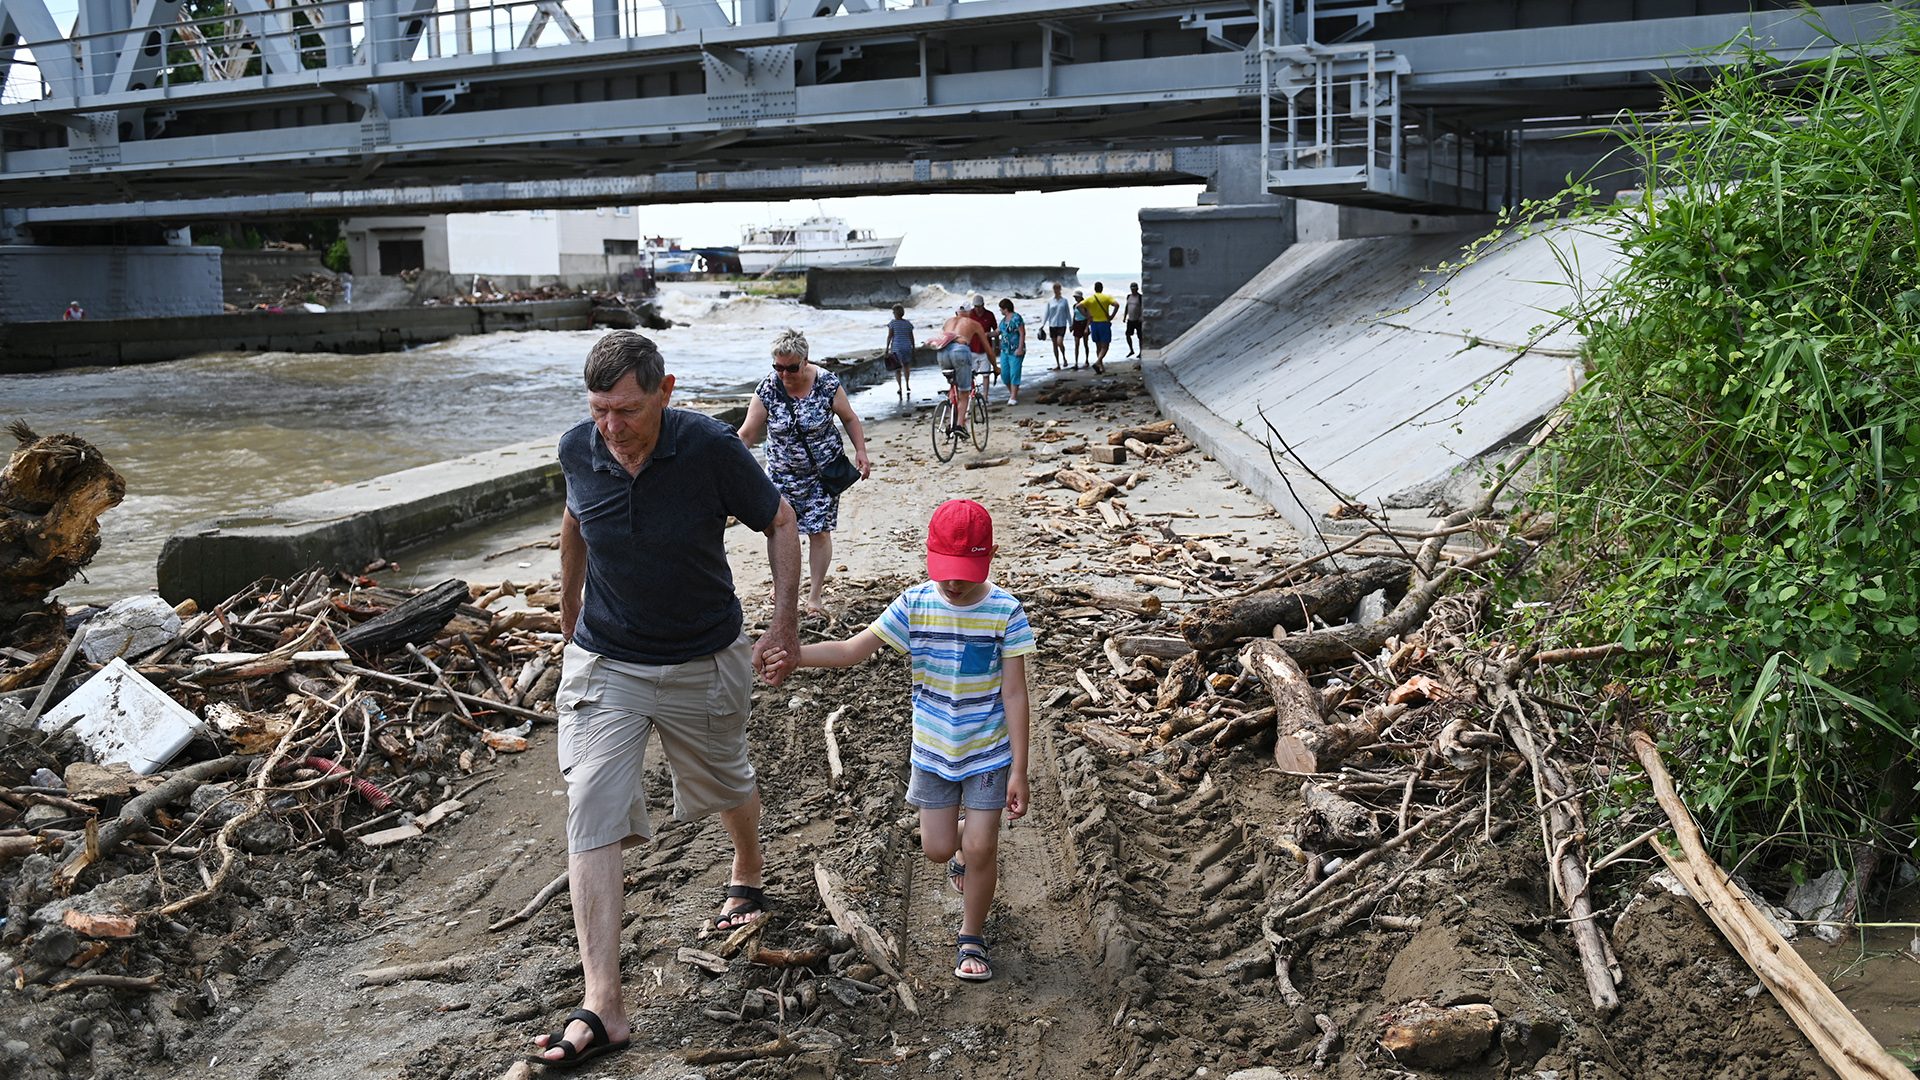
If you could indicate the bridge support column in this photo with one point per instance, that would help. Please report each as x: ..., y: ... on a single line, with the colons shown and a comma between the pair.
x: 1193, y: 258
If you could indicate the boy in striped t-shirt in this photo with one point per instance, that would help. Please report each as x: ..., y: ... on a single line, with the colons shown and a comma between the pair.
x: 968, y: 640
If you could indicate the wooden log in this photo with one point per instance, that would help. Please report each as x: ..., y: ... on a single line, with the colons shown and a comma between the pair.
x: 472, y: 700
x: 1296, y: 707
x: 1332, y: 823
x: 454, y: 967
x: 417, y: 619
x: 986, y: 463
x: 1185, y: 680
x: 1155, y: 432
x: 871, y: 945
x: 1217, y: 625
x: 1077, y: 480
x: 1140, y: 603
x: 553, y: 889
x: 1843, y: 1042
x: 1106, y: 738
x: 834, y: 766
x: 52, y: 493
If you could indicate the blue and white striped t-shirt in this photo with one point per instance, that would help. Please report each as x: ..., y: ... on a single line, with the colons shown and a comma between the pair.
x: 959, y: 721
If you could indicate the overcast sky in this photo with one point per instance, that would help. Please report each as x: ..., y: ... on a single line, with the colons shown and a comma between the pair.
x: 1095, y: 229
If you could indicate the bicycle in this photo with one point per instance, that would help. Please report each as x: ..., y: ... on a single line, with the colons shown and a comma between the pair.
x: 946, y: 440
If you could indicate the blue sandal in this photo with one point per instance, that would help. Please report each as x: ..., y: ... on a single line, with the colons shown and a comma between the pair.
x: 972, y: 948
x: 957, y: 876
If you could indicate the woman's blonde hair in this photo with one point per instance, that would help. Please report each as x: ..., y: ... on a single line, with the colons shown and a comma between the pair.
x: 790, y: 342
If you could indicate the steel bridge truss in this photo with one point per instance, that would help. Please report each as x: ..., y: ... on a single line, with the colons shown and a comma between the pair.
x: 151, y: 102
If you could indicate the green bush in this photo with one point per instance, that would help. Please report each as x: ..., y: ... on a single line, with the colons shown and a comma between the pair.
x: 1738, y: 489
x: 337, y: 258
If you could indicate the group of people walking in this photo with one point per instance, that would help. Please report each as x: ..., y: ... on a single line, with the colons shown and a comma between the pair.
x: 1002, y: 340
x: 656, y: 644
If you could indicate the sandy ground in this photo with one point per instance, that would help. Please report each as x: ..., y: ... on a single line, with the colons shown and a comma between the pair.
x: 1126, y: 936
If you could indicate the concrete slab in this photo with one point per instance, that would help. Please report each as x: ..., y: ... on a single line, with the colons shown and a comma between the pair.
x: 1386, y: 383
x: 353, y: 525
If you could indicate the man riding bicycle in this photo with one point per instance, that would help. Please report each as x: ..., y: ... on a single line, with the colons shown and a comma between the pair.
x: 962, y: 343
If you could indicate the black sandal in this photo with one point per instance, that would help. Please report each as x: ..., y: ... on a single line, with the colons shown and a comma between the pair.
x: 735, y: 918
x: 571, y: 1056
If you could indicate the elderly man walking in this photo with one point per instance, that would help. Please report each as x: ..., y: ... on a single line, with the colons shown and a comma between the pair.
x: 655, y: 646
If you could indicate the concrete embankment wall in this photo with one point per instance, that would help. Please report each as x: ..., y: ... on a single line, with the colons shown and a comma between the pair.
x: 351, y: 526
x: 38, y: 281
x: 1389, y: 380
x: 885, y: 286
x: 44, y: 346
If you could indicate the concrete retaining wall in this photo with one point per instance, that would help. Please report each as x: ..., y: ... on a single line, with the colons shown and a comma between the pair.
x: 1193, y: 258
x: 1390, y: 387
x: 351, y: 526
x: 37, y: 282
x: 44, y: 346
x: 885, y: 286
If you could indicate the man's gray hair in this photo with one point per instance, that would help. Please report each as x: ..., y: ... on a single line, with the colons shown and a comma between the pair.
x: 790, y: 342
x: 621, y: 351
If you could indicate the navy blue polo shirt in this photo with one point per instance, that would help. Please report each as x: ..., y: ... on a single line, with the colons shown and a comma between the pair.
x: 658, y: 588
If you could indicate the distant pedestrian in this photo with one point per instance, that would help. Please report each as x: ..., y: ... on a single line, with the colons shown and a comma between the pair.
x: 1055, y: 319
x: 346, y: 290
x: 74, y: 311
x: 1134, y: 302
x: 1081, y: 328
x: 981, y: 315
x: 1013, y: 349
x: 1100, y: 308
x: 794, y: 407
x: 900, y: 352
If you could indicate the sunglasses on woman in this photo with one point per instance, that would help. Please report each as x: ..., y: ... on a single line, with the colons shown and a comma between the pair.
x: 788, y: 368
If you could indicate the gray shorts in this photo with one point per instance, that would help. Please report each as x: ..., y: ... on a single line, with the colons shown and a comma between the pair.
x: 958, y: 362
x: 981, y: 791
x: 607, y: 711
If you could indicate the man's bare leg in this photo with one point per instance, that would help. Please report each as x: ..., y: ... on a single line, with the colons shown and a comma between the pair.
x: 743, y: 827
x: 596, y: 883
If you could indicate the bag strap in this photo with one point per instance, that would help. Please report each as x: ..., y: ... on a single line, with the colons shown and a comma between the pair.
x: 793, y: 413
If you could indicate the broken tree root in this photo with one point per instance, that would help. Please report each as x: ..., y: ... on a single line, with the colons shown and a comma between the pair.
x: 778, y: 1048
x: 554, y: 888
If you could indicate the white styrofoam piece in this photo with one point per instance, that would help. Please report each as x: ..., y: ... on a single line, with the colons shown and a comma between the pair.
x: 120, y: 716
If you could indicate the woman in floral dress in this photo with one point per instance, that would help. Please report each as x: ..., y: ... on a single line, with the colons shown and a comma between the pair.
x: 794, y: 408
x: 1013, y: 349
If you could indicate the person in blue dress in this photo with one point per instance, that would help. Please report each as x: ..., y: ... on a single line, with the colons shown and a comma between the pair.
x: 794, y: 408
x: 1013, y: 349
x: 900, y: 352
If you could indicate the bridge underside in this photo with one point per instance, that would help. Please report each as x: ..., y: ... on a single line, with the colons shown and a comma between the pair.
x: 306, y: 107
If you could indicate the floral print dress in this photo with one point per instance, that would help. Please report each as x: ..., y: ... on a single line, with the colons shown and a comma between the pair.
x: 796, y: 426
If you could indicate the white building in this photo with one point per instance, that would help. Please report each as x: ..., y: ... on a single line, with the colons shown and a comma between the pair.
x: 512, y: 249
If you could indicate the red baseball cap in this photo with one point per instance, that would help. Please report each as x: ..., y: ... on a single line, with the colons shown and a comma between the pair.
x: 959, y: 541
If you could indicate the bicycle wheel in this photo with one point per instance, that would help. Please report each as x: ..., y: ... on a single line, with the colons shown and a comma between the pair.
x: 978, y: 428
x: 944, y: 443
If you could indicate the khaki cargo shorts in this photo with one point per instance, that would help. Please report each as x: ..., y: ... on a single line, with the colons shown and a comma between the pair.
x: 607, y: 711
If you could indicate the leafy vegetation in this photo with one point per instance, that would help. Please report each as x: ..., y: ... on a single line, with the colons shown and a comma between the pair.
x: 1738, y: 488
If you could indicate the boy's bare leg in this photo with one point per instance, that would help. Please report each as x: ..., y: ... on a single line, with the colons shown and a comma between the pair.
x: 980, y: 851
x: 940, y: 833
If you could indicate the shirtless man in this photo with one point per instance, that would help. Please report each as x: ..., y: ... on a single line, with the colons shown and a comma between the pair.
x: 961, y: 344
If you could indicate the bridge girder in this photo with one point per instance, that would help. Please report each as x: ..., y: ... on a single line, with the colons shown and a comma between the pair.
x: 404, y: 99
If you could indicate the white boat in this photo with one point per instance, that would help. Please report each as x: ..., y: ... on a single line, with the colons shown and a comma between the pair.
x: 666, y: 256
x: 817, y: 241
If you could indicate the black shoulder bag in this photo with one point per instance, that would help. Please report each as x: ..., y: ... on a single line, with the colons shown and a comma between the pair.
x: 840, y: 474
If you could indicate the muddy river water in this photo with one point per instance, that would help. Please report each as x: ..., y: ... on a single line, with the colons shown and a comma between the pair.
x: 224, y: 433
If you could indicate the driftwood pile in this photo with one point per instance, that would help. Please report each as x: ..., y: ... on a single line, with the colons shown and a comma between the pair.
x: 343, y: 717
x: 1354, y: 666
